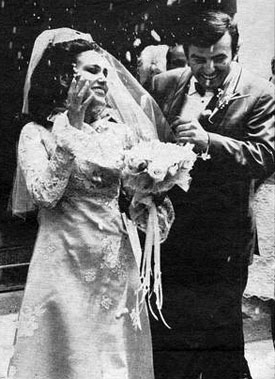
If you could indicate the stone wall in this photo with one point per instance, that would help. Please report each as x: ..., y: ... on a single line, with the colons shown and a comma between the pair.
x: 256, y: 24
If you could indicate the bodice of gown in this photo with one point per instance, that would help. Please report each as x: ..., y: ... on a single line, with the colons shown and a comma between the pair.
x: 65, y: 159
x: 74, y: 175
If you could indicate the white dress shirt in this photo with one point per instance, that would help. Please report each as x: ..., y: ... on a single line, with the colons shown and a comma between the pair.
x: 195, y: 103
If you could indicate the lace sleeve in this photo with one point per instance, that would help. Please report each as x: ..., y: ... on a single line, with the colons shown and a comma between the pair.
x: 104, y: 153
x: 46, y: 175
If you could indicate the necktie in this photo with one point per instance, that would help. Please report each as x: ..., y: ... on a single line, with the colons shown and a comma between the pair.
x: 200, y: 89
x: 210, y: 106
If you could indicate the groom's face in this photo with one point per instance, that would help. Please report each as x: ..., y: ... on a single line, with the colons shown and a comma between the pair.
x: 211, y: 65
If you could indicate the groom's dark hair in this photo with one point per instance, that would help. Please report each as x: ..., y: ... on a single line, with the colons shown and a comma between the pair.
x: 206, y: 28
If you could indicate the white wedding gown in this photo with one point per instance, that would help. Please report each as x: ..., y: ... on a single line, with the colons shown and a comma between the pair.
x: 78, y: 318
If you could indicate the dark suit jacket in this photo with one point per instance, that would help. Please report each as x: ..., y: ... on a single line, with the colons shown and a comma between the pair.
x: 214, y: 219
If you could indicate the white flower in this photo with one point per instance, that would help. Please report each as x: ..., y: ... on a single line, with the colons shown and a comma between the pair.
x: 172, y: 170
x: 157, y: 172
x: 137, y: 164
x: 183, y: 181
x: 148, y: 163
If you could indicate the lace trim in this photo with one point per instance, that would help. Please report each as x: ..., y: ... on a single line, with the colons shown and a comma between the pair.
x: 90, y: 275
x: 12, y: 372
x: 100, y: 151
x: 46, y: 177
x: 114, y: 259
x: 106, y: 302
x: 29, y: 320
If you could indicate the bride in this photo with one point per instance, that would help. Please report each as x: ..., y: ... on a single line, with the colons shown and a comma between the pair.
x: 79, y: 318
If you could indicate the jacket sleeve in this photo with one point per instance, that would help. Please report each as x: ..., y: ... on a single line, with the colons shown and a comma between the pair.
x: 253, y: 155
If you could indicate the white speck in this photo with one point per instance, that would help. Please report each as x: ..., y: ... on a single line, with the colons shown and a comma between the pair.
x: 137, y: 42
x: 128, y: 56
x: 155, y: 35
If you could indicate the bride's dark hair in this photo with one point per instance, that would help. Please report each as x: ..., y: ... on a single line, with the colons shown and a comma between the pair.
x: 52, y: 77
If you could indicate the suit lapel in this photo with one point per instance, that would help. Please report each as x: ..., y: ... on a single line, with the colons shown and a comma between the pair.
x: 230, y: 87
x: 176, y: 98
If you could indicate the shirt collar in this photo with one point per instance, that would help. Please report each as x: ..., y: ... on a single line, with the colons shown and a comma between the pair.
x: 192, y: 90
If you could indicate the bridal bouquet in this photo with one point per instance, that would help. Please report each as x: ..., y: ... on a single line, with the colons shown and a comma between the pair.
x: 153, y: 168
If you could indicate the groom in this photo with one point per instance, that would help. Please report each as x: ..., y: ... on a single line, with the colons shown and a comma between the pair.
x: 227, y: 113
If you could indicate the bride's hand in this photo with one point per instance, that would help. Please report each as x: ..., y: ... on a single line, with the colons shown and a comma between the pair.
x: 79, y: 98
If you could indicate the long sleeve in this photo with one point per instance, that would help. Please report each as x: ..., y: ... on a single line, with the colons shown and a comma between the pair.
x: 242, y: 136
x: 46, y: 173
x: 253, y: 153
x: 93, y: 148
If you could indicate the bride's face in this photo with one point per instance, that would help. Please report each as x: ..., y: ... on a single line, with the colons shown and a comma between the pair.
x: 92, y: 67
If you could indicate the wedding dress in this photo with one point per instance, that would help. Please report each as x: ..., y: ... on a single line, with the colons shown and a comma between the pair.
x: 78, y: 318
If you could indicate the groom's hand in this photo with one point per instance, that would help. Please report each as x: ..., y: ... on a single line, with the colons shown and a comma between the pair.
x: 190, y: 131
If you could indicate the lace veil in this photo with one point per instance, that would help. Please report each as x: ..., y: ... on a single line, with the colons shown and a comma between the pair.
x: 133, y: 104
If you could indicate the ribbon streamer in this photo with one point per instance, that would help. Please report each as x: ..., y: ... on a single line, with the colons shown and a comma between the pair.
x: 152, y: 250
